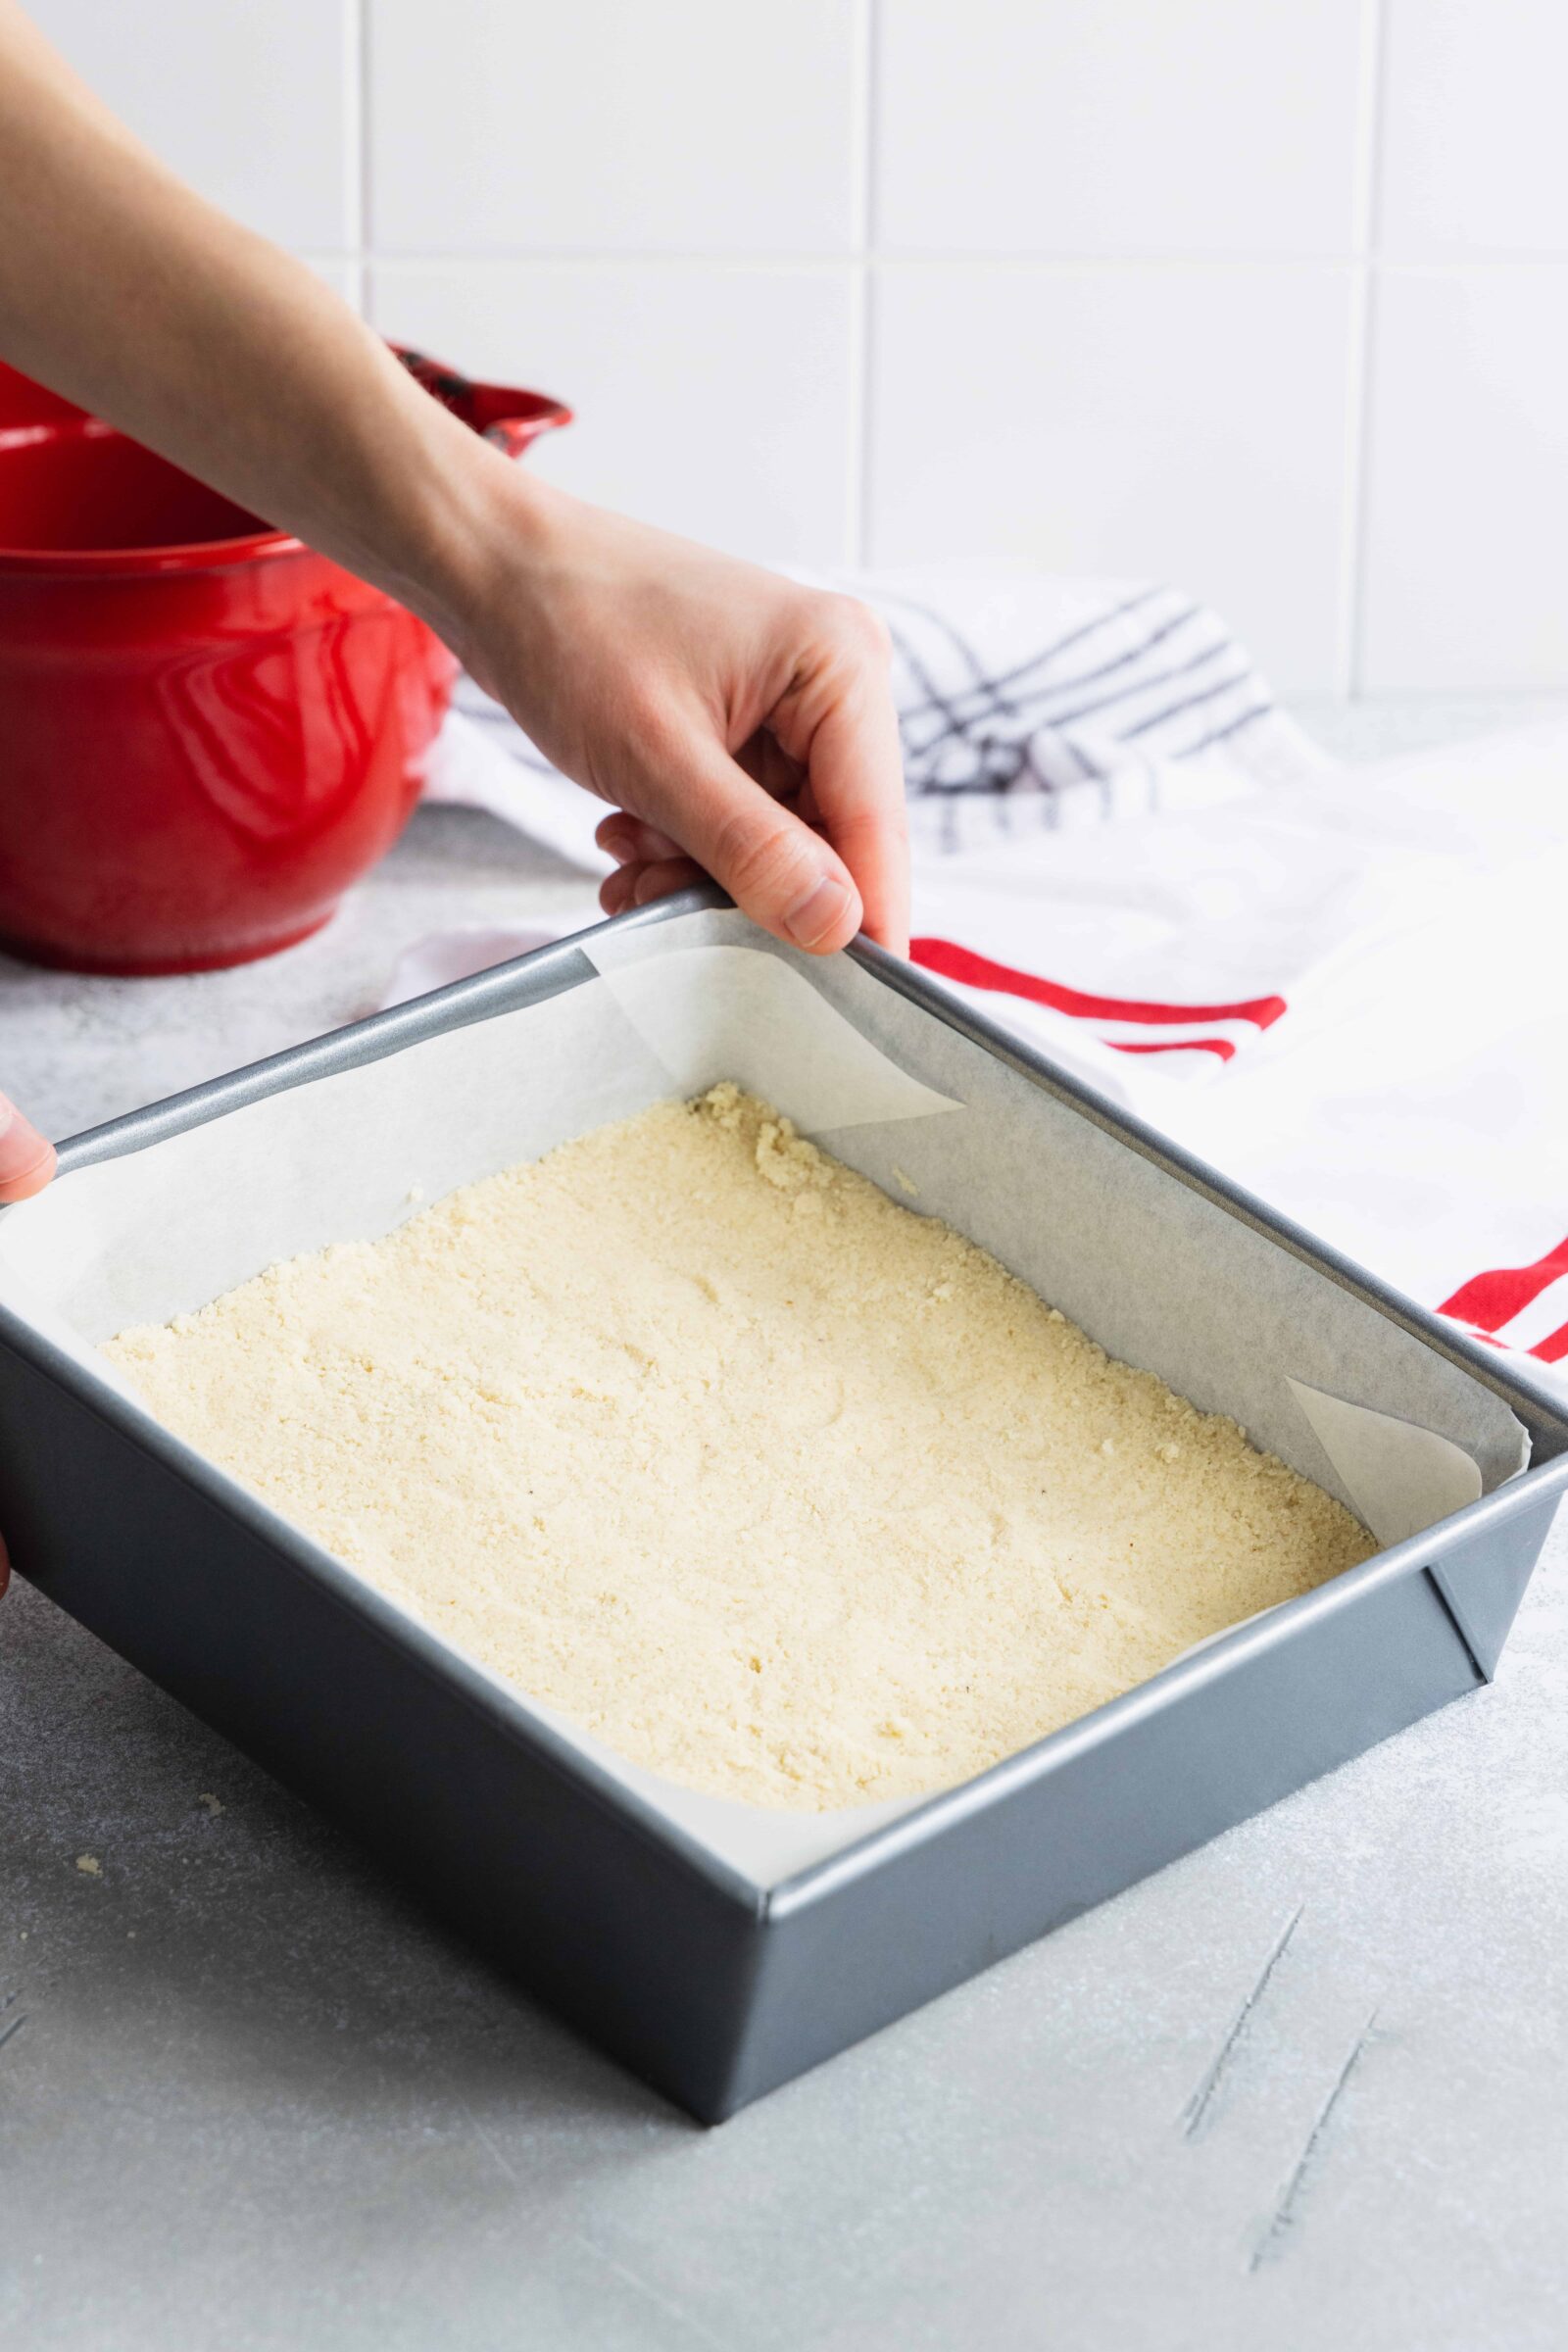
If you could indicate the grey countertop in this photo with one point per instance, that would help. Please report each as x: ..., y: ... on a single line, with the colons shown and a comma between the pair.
x: 1307, y: 2087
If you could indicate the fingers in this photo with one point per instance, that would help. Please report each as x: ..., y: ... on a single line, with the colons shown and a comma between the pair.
x: 785, y: 876
x: 630, y: 842
x: 840, y: 723
x: 27, y: 1159
x: 803, y: 822
x: 638, y: 885
x: 857, y: 785
x: 26, y: 1163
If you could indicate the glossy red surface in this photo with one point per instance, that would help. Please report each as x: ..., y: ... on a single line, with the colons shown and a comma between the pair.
x: 206, y: 731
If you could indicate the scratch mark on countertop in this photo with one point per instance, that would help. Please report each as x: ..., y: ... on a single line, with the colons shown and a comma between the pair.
x: 1283, y: 2218
x: 15, y: 2028
x: 501, y: 2163
x: 1198, y: 2106
x: 662, y: 2302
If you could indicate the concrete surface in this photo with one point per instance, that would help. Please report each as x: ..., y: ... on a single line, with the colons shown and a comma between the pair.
x: 1305, y: 2089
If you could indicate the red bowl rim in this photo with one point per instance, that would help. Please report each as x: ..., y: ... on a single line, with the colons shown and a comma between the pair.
x: 199, y: 555
x: 202, y: 554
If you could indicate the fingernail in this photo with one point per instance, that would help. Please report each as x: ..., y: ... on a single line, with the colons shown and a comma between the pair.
x: 26, y: 1157
x: 818, y: 912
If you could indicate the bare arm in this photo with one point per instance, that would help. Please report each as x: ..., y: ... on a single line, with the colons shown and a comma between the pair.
x: 737, y: 724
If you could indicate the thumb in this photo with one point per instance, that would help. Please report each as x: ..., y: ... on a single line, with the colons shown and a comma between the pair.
x: 782, y: 874
x: 27, y: 1159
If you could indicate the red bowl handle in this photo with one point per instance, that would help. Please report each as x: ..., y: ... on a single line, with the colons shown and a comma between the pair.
x: 503, y: 413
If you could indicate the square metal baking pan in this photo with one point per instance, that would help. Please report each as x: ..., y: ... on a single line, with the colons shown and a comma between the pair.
x: 711, y: 1986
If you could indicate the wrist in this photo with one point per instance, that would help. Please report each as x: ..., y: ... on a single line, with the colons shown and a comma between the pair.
x: 481, y: 530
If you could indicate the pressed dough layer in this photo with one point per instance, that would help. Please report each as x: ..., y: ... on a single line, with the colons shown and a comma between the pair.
x: 779, y: 1488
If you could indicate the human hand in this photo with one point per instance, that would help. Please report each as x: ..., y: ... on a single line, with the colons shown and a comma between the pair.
x: 740, y: 725
x: 27, y: 1159
x: 26, y: 1163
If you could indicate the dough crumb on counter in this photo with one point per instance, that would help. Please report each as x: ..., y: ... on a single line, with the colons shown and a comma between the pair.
x: 775, y: 1486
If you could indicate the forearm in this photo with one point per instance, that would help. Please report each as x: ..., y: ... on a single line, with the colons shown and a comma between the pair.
x: 740, y: 724
x: 123, y: 290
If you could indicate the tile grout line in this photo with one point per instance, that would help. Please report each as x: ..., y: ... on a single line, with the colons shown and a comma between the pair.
x: 1361, y: 354
x: 358, y: 37
x: 858, y: 418
x: 857, y: 256
x: 350, y: 34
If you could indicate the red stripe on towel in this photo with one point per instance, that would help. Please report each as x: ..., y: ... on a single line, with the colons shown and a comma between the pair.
x: 1495, y: 1298
x: 1552, y: 1348
x: 1177, y: 1045
x: 953, y: 962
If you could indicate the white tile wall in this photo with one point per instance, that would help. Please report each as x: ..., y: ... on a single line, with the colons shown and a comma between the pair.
x: 1271, y: 299
x: 1468, y: 479
x: 1117, y: 126
x: 1186, y: 421
x: 710, y: 396
x: 251, y: 99
x: 1472, y: 157
x: 606, y: 125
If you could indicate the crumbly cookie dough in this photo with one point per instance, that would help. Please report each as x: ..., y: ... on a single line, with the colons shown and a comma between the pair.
x: 779, y: 1488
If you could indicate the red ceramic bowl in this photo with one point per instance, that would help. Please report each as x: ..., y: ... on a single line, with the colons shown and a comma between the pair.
x: 206, y: 731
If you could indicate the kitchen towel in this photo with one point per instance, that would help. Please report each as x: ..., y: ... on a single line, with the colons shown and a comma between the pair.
x: 1025, y: 705
x: 1338, y: 984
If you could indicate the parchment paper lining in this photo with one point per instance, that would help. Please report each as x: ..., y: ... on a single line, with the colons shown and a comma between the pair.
x: 1156, y: 1273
